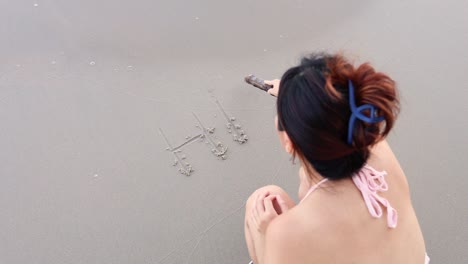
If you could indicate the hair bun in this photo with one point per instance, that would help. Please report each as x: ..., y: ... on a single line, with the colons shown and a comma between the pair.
x: 371, y: 87
x: 377, y: 89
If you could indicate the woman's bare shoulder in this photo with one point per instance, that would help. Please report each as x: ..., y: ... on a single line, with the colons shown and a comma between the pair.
x: 381, y: 152
x: 383, y: 158
x: 282, y: 238
x: 287, y: 235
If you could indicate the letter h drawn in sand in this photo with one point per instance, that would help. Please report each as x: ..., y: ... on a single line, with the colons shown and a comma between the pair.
x: 184, y: 167
x: 217, y: 148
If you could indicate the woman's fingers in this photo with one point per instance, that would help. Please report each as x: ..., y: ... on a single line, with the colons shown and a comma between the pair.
x: 259, y: 204
x: 269, y: 208
x: 275, y: 87
x: 282, y: 203
x: 255, y: 220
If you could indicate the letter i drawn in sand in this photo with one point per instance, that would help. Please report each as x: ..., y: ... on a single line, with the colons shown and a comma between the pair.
x: 184, y: 167
x: 218, y: 149
x: 238, y: 134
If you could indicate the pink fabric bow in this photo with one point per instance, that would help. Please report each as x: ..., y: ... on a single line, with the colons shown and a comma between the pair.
x: 370, y: 182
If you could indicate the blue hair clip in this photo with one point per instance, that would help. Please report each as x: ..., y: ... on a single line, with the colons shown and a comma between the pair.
x: 356, y: 112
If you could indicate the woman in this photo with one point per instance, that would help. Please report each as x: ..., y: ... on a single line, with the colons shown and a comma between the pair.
x: 355, y: 204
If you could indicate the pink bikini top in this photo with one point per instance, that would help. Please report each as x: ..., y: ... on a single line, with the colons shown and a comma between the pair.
x: 370, y: 181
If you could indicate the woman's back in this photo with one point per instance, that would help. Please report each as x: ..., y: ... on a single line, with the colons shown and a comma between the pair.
x: 335, y: 216
x: 335, y: 117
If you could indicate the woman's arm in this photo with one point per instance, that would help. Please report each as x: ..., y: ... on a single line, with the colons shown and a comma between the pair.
x: 263, y: 213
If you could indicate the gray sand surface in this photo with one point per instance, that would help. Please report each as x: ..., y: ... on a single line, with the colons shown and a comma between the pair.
x: 86, y: 85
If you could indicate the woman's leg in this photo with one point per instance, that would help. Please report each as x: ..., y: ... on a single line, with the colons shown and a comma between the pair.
x: 274, y: 190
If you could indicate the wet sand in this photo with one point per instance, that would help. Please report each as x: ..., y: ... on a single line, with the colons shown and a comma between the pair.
x: 87, y: 86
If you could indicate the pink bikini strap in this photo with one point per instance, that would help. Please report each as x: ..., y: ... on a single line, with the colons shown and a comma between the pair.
x: 370, y: 181
x: 313, y: 188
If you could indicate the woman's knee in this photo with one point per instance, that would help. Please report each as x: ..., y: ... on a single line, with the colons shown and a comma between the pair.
x: 273, y: 190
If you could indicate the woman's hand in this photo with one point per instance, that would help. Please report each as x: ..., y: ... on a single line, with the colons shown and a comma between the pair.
x: 267, y: 207
x: 273, y: 91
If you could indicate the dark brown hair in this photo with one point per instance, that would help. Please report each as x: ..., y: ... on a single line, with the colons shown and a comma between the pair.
x: 313, y: 108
